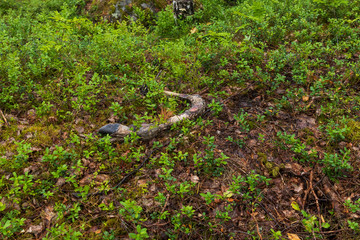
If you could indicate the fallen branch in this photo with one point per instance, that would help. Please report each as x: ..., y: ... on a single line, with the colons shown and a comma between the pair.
x: 148, y: 131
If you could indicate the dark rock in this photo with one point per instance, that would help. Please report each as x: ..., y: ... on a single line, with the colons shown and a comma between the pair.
x: 109, y: 128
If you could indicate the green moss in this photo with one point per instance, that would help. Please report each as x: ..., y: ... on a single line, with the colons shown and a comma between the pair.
x: 113, y: 224
x: 36, y: 135
x: 7, y: 133
x: 308, y: 131
x: 42, y: 135
x: 275, y: 171
x: 252, y: 124
x: 45, y: 175
x: 262, y: 157
x: 310, y: 140
x: 10, y: 148
x: 271, y: 167
x: 354, y: 133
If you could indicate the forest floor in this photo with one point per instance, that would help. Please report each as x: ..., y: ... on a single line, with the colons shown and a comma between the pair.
x: 276, y: 154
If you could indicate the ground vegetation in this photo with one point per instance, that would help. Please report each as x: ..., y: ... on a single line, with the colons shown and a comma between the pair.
x: 276, y: 154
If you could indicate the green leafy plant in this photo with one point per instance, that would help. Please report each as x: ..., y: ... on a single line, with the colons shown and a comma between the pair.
x: 224, y: 215
x: 353, y: 206
x: 247, y: 186
x: 238, y: 142
x: 11, y: 223
x: 354, y: 226
x: 63, y: 231
x: 209, y: 162
x: 23, y: 150
x: 335, y: 132
x: 116, y: 108
x: 275, y: 234
x: 141, y: 233
x: 131, y: 211
x: 209, y: 198
x: 297, y: 146
x: 310, y: 222
x: 66, y: 65
x: 335, y: 164
x: 58, y: 156
x: 216, y: 107
x: 21, y: 186
x: 241, y: 119
x: 188, y: 211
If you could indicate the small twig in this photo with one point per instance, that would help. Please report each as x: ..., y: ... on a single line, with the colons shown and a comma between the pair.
x: 204, y: 91
x: 227, y: 110
x: 2, y: 114
x: 269, y: 213
x: 257, y: 226
x: 155, y: 224
x: 158, y: 75
x: 139, y: 167
x: 234, y: 163
x: 134, y: 171
x: 316, y: 198
x: 236, y: 94
x: 124, y: 179
x: 162, y: 210
x: 305, y: 197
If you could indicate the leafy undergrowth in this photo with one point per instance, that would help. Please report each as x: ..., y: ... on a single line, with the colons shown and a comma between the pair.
x: 275, y: 156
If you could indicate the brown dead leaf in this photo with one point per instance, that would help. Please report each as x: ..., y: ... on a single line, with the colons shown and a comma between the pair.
x: 61, y: 181
x: 251, y: 143
x: 98, y: 180
x: 298, y: 188
x: 48, y: 214
x: 194, y: 178
x: 35, y: 149
x: 31, y: 115
x: 142, y: 182
x: 194, y: 30
x: 293, y: 236
x: 112, y: 118
x: 294, y: 167
x: 95, y: 229
x: 148, y: 202
x: 288, y: 213
x: 52, y: 119
x: 305, y: 98
x: 35, y: 229
x: 304, y: 121
x: 33, y: 169
x: 80, y: 129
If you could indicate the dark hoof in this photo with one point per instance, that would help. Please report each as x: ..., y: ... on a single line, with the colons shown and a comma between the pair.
x: 109, y: 128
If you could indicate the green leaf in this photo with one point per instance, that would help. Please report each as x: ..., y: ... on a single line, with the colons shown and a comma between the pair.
x: 2, y: 206
x: 228, y: 194
x: 295, y: 206
x: 325, y: 225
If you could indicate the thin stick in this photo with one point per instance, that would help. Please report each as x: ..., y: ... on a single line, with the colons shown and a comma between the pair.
x: 257, y: 227
x: 2, y: 114
x: 306, y: 194
x: 163, y: 208
x: 316, y: 198
x: 158, y: 75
